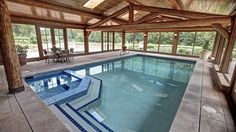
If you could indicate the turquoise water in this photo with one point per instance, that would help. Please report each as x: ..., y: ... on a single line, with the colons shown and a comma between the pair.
x: 141, y: 93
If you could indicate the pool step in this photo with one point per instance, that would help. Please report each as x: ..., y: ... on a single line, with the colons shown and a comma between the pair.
x: 92, y: 98
x: 83, y: 121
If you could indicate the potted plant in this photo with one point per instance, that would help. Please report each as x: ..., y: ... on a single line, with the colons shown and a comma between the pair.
x: 22, y: 53
x: 206, y: 50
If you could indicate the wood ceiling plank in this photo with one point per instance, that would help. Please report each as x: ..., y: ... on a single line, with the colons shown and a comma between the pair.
x: 146, y: 18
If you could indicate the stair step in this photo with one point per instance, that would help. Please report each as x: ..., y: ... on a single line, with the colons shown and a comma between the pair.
x: 91, y: 97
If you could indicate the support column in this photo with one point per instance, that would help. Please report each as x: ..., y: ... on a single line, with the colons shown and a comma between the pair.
x: 53, y: 37
x: 229, y: 49
x: 102, y: 41
x: 175, y: 42
x: 145, y: 41
x: 220, y: 50
x: 9, y: 54
x: 113, y: 40
x: 216, y: 45
x: 65, y: 38
x: 39, y: 41
x: 123, y: 38
x: 86, y: 44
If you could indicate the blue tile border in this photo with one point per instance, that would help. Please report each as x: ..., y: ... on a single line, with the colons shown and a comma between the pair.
x: 71, y: 119
x: 85, y: 119
x: 102, y: 124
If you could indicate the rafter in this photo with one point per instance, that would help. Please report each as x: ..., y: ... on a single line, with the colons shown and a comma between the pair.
x: 118, y: 13
x: 146, y: 18
x: 174, y: 12
x: 172, y: 24
x: 221, y: 30
x: 131, y: 13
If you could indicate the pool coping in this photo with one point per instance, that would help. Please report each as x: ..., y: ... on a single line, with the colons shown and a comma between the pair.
x: 188, y: 114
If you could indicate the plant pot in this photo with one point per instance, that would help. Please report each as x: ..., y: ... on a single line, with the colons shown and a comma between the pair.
x: 22, y: 59
x: 205, y: 55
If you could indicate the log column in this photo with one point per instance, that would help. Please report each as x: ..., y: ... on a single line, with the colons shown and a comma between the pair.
x: 123, y: 38
x: 145, y: 41
x: 86, y: 44
x: 9, y: 55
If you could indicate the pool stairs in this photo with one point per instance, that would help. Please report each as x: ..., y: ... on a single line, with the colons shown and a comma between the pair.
x: 74, y: 112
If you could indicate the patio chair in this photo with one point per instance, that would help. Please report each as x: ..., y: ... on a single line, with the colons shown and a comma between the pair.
x: 47, y: 56
x: 124, y: 50
x: 71, y: 56
x: 65, y: 56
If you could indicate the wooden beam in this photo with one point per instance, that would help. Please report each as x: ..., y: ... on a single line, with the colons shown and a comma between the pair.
x: 65, y: 38
x: 118, y: 13
x: 174, y: 12
x: 171, y: 24
x: 229, y: 49
x: 131, y: 13
x: 220, y: 29
x: 16, y: 19
x: 9, y: 53
x: 113, y: 40
x: 146, y: 18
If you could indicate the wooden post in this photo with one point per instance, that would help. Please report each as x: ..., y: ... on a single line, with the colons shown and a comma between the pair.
x: 123, y: 38
x: 113, y: 40
x: 9, y: 54
x: 107, y: 41
x: 216, y: 45
x: 53, y: 37
x: 145, y: 41
x: 86, y: 43
x: 220, y: 50
x: 175, y: 42
x: 131, y: 13
x: 65, y: 38
x: 229, y: 49
x: 102, y: 41
x: 39, y: 41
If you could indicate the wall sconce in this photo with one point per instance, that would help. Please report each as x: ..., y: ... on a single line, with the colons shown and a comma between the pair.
x: 175, y: 34
x: 144, y: 34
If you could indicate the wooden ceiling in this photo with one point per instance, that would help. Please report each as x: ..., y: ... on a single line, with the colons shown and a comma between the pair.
x: 73, y: 12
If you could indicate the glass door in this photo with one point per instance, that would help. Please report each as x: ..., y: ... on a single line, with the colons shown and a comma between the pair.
x: 59, y: 38
x: 46, y: 38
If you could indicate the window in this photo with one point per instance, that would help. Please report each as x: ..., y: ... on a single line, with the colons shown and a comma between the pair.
x: 134, y: 41
x: 203, y: 40
x: 95, y: 42
x: 92, y: 3
x: 118, y: 40
x: 166, y: 42
x: 76, y: 39
x: 26, y: 35
x: 153, y: 41
x: 186, y: 43
x: 59, y: 38
x: 110, y: 42
x: 105, y: 41
x: 46, y: 38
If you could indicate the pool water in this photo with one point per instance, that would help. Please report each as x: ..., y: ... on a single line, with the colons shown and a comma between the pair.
x: 140, y: 93
x: 53, y: 84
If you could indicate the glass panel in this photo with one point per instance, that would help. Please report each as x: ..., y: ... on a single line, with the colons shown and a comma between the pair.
x: 134, y: 41
x: 59, y: 38
x: 105, y: 41
x: 46, y: 38
x: 110, y: 41
x: 166, y: 42
x: 153, y: 41
x: 203, y: 40
x: 95, y: 41
x: 118, y: 40
x: 76, y: 39
x: 26, y: 35
x: 186, y: 42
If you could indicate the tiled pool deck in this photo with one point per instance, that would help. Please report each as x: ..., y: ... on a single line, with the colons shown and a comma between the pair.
x: 24, y: 111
